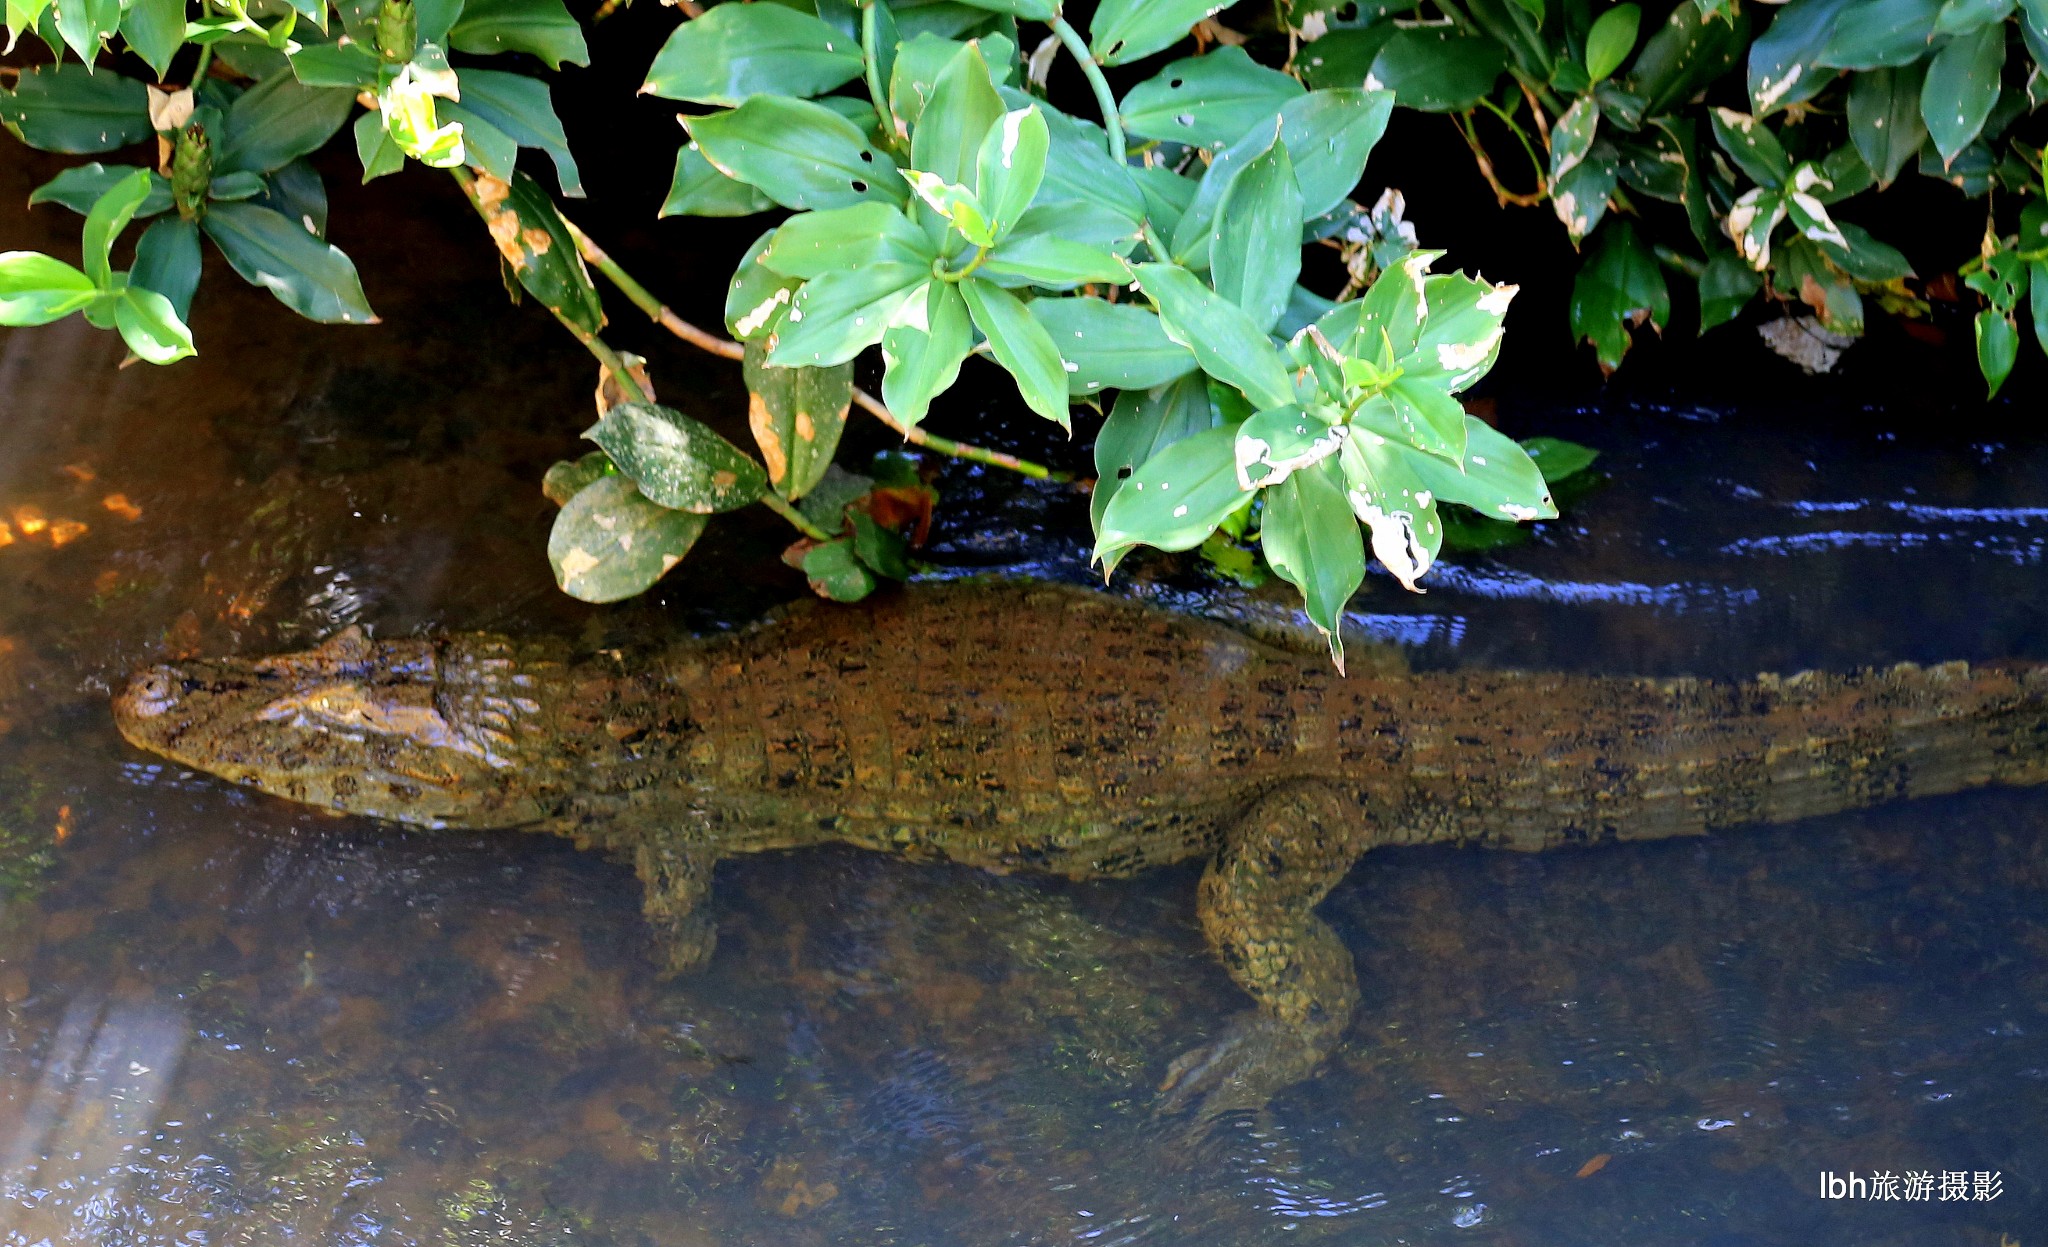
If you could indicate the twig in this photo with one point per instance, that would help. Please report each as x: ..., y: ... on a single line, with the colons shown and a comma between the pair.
x: 1112, y: 121
x: 1485, y: 163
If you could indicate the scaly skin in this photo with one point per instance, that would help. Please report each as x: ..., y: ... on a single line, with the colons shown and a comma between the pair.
x: 1049, y: 730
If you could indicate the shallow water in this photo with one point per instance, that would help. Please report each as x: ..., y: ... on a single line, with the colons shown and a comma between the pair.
x: 228, y: 1020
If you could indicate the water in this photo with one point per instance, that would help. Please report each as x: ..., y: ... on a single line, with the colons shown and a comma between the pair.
x: 226, y: 1020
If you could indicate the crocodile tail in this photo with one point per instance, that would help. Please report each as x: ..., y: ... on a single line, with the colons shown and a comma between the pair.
x: 1844, y: 742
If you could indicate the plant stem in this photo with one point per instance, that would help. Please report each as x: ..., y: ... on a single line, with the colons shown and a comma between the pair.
x: 774, y: 502
x: 1071, y: 40
x: 870, y: 26
x: 659, y: 313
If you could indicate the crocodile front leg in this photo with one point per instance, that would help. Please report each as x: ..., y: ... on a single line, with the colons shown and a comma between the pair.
x: 677, y: 880
x: 1256, y: 906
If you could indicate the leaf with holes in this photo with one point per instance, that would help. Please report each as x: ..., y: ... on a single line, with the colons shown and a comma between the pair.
x: 676, y: 461
x: 1127, y: 30
x: 609, y: 542
x: 1207, y: 101
x: 799, y: 153
x: 1175, y: 498
x: 1142, y: 423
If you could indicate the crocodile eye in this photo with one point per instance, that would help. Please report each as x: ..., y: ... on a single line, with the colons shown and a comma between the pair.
x: 155, y: 692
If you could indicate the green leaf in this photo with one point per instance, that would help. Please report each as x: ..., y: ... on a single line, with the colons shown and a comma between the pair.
x: 1021, y: 345
x: 1864, y: 257
x: 1311, y: 539
x: 347, y: 65
x: 62, y: 108
x: 1619, y: 286
x: 1998, y: 347
x: 1033, y: 10
x: 109, y: 215
x: 1461, y: 335
x: 1111, y: 346
x: 735, y: 51
x: 609, y: 542
x: 1343, y: 58
x: 883, y: 551
x: 1142, y: 423
x: 1176, y: 497
x: 155, y: 30
x: 533, y: 239
x: 565, y: 478
x: 1386, y: 323
x: 1209, y: 101
x: 1009, y: 167
x: 1784, y: 62
x: 813, y: 244
x: 1686, y: 54
x: 1611, y: 39
x: 1329, y: 134
x: 1726, y: 288
x: 307, y: 275
x: 1437, y: 70
x: 1043, y: 258
x: 1572, y: 137
x: 840, y: 314
x: 36, y: 289
x: 800, y: 154
x: 1126, y: 30
x: 1497, y: 479
x: 1229, y: 345
x: 167, y: 261
x: 84, y: 23
x: 1078, y: 170
x: 1389, y: 497
x: 1884, y: 119
x: 542, y: 27
x: 432, y: 18
x: 955, y: 204
x: 278, y: 120
x: 1556, y: 458
x: 1255, y: 254
x: 697, y: 189
x: 797, y: 415
x: 1580, y: 197
x: 946, y: 142
x: 922, y: 362
x: 1961, y: 87
x: 524, y: 109
x: 1753, y: 148
x: 2037, y: 293
x: 484, y: 145
x: 676, y: 461
x: 1961, y: 17
x: 377, y: 151
x: 78, y: 187
x: 151, y: 327
x: 297, y: 192
x: 1880, y: 33
x: 758, y: 295
x: 836, y: 572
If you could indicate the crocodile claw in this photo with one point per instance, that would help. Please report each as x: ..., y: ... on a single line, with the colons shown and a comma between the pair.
x: 1255, y: 1057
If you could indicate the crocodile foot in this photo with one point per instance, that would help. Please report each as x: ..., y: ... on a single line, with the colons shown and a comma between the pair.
x: 1255, y: 1057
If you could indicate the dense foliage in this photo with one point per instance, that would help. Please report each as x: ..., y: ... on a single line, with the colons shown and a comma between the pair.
x: 1145, y: 258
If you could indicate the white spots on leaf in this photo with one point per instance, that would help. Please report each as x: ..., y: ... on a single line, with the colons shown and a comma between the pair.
x: 1769, y: 93
x: 1516, y: 511
x: 1495, y: 301
x: 1394, y: 542
x: 1180, y: 511
x: 576, y: 562
x: 1012, y: 123
x: 1464, y: 356
x: 1480, y: 460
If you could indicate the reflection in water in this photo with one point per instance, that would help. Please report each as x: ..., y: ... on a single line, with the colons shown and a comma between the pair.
x: 228, y: 1021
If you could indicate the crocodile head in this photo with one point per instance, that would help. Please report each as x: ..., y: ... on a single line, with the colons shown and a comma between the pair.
x: 431, y: 733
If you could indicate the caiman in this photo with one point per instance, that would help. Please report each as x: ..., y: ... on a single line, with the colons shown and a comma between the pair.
x: 1052, y: 730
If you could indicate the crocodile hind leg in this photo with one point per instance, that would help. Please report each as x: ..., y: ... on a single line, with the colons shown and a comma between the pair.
x: 1256, y: 906
x: 678, y: 885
